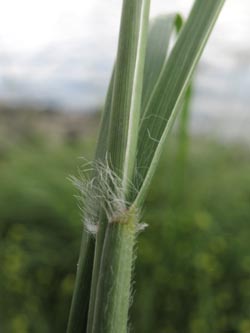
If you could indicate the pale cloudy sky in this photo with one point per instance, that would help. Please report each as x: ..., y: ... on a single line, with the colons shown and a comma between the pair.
x: 61, y: 51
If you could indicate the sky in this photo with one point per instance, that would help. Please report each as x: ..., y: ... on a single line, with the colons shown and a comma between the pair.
x: 60, y: 52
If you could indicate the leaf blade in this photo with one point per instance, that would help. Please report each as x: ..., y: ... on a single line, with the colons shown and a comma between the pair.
x: 162, y: 107
x: 160, y: 31
x: 127, y: 89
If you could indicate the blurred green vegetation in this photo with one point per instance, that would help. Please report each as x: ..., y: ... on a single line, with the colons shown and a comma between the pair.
x: 192, y: 272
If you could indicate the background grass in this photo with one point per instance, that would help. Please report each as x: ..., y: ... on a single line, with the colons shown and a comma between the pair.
x: 193, y: 265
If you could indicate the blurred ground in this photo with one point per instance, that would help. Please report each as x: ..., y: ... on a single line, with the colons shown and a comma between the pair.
x: 193, y: 266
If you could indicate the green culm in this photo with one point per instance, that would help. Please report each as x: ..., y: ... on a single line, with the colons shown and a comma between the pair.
x: 148, y: 88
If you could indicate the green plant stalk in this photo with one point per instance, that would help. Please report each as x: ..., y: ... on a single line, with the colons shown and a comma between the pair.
x: 80, y: 304
x: 112, y: 305
x: 80, y: 301
x: 96, y: 270
x: 126, y: 102
x: 156, y: 52
x: 123, y: 131
x: 101, y: 152
x: 124, y: 154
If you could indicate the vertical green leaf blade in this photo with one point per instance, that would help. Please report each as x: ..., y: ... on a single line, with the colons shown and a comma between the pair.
x: 79, y: 308
x: 85, y: 284
x: 159, y: 36
x: 100, y: 156
x: 127, y: 88
x: 171, y: 87
x: 102, y: 142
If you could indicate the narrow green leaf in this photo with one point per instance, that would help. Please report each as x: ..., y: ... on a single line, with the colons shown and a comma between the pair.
x: 79, y: 308
x: 170, y: 89
x: 126, y: 100
x: 102, y: 142
x: 101, y: 154
x: 160, y: 33
x: 85, y: 285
